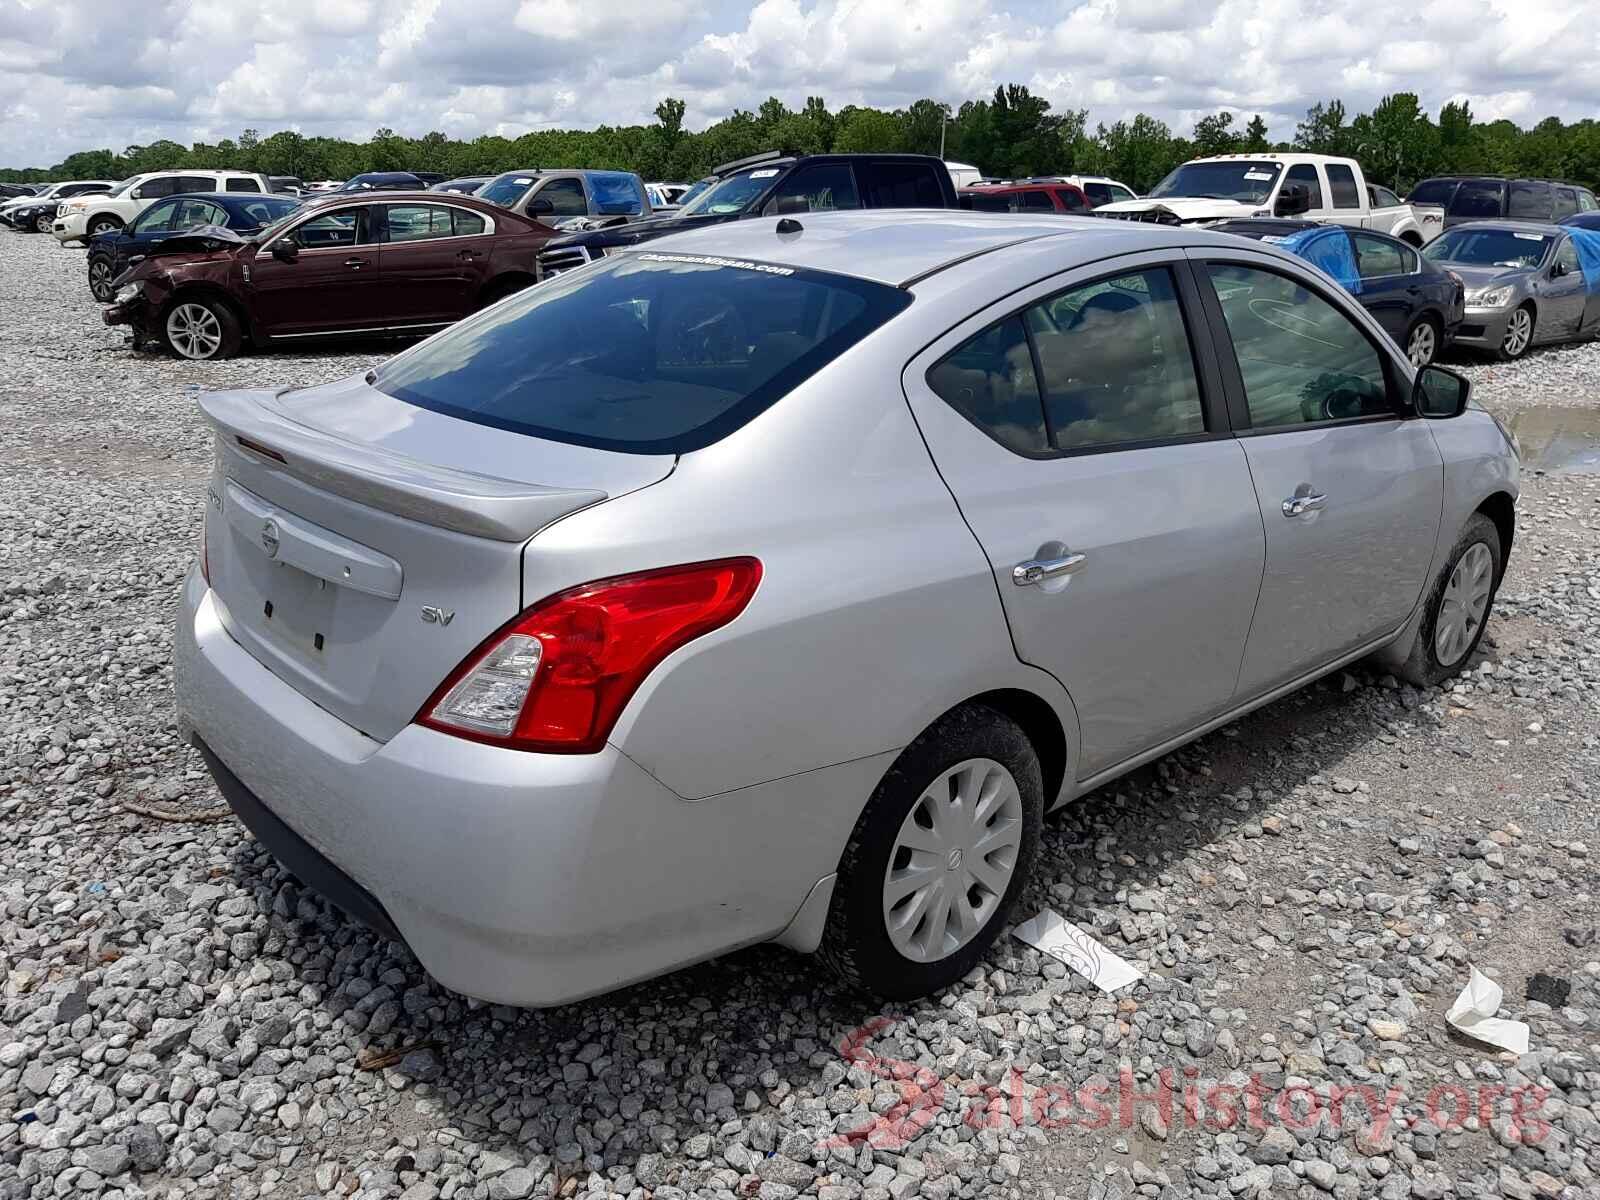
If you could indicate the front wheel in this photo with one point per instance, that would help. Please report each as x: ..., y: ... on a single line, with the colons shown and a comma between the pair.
x: 103, y: 225
x: 201, y: 329
x: 937, y: 858
x: 101, y: 274
x: 1458, y: 606
x: 1422, y: 341
x: 1519, y: 334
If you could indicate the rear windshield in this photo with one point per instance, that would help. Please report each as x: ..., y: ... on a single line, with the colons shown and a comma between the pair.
x: 648, y: 353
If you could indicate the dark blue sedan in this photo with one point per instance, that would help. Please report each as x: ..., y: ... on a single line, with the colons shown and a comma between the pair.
x: 110, y: 254
x: 1583, y: 220
x: 1419, y: 304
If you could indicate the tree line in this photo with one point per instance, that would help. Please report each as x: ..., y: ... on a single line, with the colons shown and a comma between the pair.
x: 1011, y: 135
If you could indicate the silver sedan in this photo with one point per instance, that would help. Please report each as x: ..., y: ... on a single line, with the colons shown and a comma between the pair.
x: 1525, y: 284
x: 772, y: 582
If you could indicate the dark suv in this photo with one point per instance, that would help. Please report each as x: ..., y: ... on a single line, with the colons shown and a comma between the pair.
x: 1497, y: 197
x: 773, y: 184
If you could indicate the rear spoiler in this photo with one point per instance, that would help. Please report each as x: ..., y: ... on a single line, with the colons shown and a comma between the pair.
x: 251, y: 424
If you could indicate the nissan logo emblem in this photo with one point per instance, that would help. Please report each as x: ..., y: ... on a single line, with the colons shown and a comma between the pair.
x: 269, y: 538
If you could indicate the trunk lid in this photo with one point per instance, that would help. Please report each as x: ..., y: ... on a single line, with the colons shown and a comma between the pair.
x: 361, y: 547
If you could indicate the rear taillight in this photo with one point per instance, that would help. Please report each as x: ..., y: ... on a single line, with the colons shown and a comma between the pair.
x: 557, y: 677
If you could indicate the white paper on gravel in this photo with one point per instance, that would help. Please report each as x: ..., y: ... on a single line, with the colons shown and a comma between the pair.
x: 1063, y: 940
x: 1473, y: 1014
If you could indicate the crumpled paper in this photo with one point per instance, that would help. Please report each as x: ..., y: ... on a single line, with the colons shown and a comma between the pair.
x: 1473, y: 1014
x: 1051, y: 933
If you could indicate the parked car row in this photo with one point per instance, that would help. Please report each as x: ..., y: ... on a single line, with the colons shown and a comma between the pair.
x: 793, y: 566
x: 36, y: 212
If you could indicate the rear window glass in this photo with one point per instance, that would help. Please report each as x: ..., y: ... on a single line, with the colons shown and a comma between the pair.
x: 649, y: 353
x: 616, y: 193
x: 1433, y: 191
x: 1478, y: 198
x: 899, y: 185
x: 1529, y: 201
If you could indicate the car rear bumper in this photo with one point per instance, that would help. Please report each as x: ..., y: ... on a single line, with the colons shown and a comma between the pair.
x: 1482, y: 328
x: 520, y: 878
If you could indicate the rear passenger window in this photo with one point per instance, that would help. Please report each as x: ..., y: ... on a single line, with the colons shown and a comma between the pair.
x: 1566, y: 202
x: 197, y: 183
x: 1477, y: 198
x: 990, y: 381
x: 1038, y: 200
x: 1098, y: 193
x: 238, y: 183
x: 1376, y: 258
x: 1342, y: 183
x: 899, y: 185
x: 1071, y: 200
x: 1306, y: 176
x: 1530, y: 201
x: 467, y: 224
x: 1303, y: 361
x: 1115, y: 363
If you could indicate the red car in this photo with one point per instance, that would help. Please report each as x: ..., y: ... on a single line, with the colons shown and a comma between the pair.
x: 391, y: 263
x: 1026, y: 196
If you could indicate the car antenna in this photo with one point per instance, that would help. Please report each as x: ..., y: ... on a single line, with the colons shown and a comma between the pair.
x: 790, y: 225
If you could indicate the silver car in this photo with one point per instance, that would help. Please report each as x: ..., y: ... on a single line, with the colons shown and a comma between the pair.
x: 771, y: 582
x: 1525, y: 285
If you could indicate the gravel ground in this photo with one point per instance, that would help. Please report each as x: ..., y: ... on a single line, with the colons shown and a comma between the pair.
x: 1305, y: 889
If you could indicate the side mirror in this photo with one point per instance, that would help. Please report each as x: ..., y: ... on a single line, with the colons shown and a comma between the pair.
x: 1440, y: 394
x: 285, y: 250
x: 540, y: 207
x: 1558, y: 270
x: 1295, y: 198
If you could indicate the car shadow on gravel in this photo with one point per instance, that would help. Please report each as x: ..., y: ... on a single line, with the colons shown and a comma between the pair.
x: 767, y: 1023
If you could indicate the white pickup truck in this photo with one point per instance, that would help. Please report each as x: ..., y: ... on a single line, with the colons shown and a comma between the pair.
x: 1314, y: 187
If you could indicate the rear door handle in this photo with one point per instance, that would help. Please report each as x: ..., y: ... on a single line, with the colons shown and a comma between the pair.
x: 1299, y: 504
x: 1036, y: 570
x: 466, y: 254
x: 355, y: 264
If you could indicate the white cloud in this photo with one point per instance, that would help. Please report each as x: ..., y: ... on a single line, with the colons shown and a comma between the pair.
x: 188, y: 69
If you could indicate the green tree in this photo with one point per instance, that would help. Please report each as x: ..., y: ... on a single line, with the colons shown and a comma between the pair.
x: 1323, y: 131
x: 1255, y: 136
x: 1458, y: 145
x: 922, y: 126
x: 867, y: 129
x: 1396, y: 141
x: 1140, y: 152
x: 1215, y: 135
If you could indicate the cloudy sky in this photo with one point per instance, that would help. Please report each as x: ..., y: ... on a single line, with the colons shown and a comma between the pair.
x: 77, y: 74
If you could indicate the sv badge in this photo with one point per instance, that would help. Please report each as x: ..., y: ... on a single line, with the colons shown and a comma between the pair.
x: 432, y: 615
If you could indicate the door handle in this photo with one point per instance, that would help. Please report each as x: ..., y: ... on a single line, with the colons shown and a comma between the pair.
x: 469, y: 254
x: 1036, y: 570
x: 1299, y: 504
x: 355, y: 264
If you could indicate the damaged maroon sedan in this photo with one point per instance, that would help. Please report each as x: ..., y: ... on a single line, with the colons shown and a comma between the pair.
x: 399, y: 265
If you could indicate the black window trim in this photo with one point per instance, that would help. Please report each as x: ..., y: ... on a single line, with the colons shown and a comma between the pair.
x: 1208, y: 375
x: 1238, y: 401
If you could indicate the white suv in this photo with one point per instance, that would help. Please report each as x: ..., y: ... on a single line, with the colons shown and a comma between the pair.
x: 1101, y: 190
x: 80, y: 219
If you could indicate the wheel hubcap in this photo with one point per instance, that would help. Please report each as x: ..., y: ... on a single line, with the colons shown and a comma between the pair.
x: 194, y: 331
x: 953, y: 860
x: 1421, y: 348
x: 1518, y: 330
x: 1464, y: 605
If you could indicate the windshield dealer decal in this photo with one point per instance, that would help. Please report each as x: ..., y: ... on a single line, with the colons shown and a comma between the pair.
x: 709, y: 260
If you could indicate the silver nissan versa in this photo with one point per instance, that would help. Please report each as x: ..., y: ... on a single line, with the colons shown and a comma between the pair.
x: 770, y: 582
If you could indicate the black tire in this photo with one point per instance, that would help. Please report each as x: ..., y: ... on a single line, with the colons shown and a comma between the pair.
x: 43, y: 223
x: 855, y: 942
x: 229, y: 334
x: 1422, y: 667
x: 102, y: 225
x: 1431, y: 323
x: 1510, y: 355
x: 102, y: 270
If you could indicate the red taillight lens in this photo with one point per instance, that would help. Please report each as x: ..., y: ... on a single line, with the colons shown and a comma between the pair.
x: 557, y: 677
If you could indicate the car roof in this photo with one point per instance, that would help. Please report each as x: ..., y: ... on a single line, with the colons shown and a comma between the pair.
x: 1544, y: 227
x: 899, y: 246
x: 236, y: 197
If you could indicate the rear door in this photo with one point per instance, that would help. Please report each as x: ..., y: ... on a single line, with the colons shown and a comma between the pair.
x: 433, y: 257
x: 1079, y: 427
x: 331, y: 286
x: 1350, y: 485
x: 1344, y: 195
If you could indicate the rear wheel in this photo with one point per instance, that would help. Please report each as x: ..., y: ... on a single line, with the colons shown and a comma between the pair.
x: 935, y: 863
x: 100, y: 276
x: 1519, y: 333
x: 103, y: 225
x: 1458, y: 606
x: 1422, y: 341
x: 201, y: 328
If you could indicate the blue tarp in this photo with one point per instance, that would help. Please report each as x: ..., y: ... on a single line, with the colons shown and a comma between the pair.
x: 1327, y: 247
x: 617, y: 193
x: 1587, y: 243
